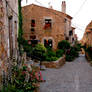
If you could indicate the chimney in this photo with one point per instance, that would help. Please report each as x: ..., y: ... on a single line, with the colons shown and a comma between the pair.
x: 50, y: 6
x: 63, y: 6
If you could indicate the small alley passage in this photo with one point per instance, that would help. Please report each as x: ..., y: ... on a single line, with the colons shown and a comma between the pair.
x: 72, y: 77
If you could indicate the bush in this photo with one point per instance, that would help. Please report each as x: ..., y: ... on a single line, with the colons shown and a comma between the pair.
x: 71, y: 54
x: 74, y: 52
x: 50, y: 55
x: 27, y: 48
x: 78, y: 47
x: 59, y: 53
x: 38, y: 52
x: 63, y: 45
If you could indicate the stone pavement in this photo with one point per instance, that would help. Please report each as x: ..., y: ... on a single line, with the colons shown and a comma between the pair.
x: 72, y: 77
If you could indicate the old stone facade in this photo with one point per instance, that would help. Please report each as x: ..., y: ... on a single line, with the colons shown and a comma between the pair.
x: 45, y: 25
x: 8, y: 32
x: 87, y: 38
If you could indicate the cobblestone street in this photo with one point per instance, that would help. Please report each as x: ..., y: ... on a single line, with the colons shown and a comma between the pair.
x: 72, y: 77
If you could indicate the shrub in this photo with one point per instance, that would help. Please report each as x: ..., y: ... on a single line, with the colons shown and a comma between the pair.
x: 63, y: 45
x: 54, y: 58
x: 74, y: 52
x: 50, y: 55
x: 23, y: 80
x: 78, y: 47
x: 71, y: 54
x: 59, y: 53
x: 38, y: 52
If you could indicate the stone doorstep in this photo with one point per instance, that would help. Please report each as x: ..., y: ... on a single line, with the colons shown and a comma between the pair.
x: 55, y: 64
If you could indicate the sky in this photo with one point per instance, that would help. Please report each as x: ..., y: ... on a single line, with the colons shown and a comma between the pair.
x: 80, y: 10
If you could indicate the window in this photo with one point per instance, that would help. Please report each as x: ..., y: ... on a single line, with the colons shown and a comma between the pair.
x: 67, y: 38
x: 65, y: 20
x: 32, y: 23
x: 72, y: 39
x: 33, y: 37
x: 70, y: 33
x: 34, y: 41
x: 48, y: 43
x: 91, y: 29
x: 32, y: 29
x: 48, y: 24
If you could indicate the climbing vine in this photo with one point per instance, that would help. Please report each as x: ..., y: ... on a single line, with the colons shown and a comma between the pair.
x: 20, y: 30
x: 21, y: 41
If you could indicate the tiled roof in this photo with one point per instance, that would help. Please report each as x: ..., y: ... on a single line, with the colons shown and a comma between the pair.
x: 51, y: 10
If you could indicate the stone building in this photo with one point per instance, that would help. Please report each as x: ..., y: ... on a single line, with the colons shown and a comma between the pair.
x: 87, y: 38
x: 8, y: 32
x: 46, y: 25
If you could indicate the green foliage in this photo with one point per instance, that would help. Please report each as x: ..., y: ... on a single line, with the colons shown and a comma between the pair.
x: 59, y: 53
x: 21, y: 41
x: 20, y: 31
x: 20, y: 80
x: 38, y: 52
x: 27, y: 48
x: 71, y: 54
x: 50, y: 55
x: 78, y: 47
x: 63, y: 45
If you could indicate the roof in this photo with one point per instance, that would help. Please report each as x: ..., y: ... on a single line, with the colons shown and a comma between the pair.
x: 89, y: 26
x: 73, y: 28
x: 54, y: 11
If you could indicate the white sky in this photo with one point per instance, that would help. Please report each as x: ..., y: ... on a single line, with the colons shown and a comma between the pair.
x: 80, y: 10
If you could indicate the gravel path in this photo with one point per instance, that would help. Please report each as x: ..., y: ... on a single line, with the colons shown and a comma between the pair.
x: 72, y: 77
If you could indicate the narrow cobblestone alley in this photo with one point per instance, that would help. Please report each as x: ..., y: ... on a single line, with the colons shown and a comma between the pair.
x: 72, y: 77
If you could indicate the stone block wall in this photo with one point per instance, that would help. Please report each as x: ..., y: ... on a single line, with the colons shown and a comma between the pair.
x: 55, y: 64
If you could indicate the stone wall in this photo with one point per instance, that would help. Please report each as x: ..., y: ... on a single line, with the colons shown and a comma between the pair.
x: 87, y: 37
x: 8, y: 10
x: 55, y: 64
